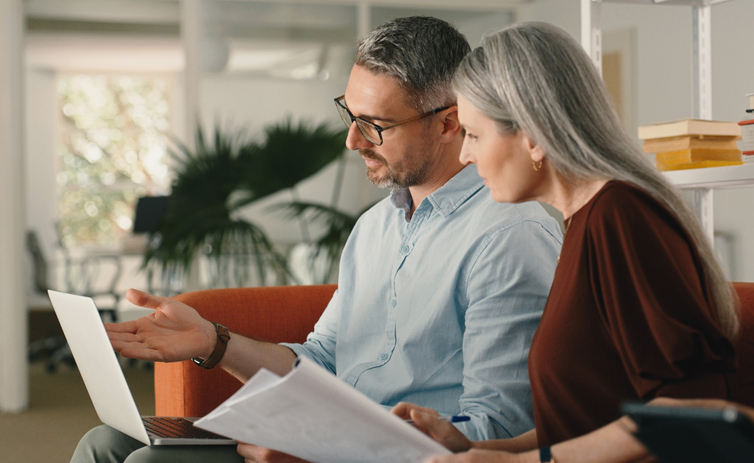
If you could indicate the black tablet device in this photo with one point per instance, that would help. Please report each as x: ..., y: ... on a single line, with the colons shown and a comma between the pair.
x: 686, y: 435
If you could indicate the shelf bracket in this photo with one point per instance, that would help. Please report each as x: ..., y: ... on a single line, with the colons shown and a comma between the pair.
x: 702, y: 203
x: 591, y: 31
x: 702, y: 76
x: 702, y: 61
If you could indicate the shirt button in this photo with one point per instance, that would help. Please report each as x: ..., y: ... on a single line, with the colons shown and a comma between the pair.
x: 405, y: 249
x: 383, y: 357
x: 393, y: 303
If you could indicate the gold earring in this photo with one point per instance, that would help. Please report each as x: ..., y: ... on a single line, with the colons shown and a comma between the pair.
x: 536, y: 165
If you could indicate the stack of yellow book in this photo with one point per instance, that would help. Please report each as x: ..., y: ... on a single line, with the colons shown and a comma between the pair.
x: 692, y: 143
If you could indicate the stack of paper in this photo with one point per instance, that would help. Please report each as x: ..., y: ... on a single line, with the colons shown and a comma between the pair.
x: 311, y: 414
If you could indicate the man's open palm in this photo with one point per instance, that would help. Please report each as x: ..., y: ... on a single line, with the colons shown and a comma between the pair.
x: 174, y: 332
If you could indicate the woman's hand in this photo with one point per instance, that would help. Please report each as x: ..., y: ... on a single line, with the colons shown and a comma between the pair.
x: 430, y: 423
x: 172, y: 333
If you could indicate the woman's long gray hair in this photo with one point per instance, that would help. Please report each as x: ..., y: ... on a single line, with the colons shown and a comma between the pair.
x: 535, y: 77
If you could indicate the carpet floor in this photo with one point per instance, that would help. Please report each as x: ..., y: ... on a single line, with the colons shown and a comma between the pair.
x: 60, y: 413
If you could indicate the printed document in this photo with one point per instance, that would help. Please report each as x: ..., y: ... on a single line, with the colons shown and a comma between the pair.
x: 311, y: 414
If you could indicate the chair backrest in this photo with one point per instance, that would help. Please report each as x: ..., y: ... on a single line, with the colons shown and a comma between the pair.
x: 287, y: 314
x: 272, y: 314
x: 743, y: 380
x: 40, y: 262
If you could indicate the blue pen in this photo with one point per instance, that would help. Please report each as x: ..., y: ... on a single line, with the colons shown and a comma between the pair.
x: 452, y: 419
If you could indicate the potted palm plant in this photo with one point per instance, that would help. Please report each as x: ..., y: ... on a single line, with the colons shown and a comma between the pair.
x: 221, y: 176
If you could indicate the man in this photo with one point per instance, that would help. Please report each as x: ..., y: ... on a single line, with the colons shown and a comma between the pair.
x: 440, y: 288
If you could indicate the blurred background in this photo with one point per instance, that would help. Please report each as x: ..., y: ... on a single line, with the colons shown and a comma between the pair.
x: 174, y: 145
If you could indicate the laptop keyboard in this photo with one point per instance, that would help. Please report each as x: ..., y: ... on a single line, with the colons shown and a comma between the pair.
x: 170, y: 427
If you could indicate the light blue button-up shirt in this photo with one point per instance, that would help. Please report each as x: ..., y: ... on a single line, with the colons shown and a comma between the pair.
x: 440, y: 310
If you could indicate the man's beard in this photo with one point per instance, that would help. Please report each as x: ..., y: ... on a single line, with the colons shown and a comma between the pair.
x: 401, y: 174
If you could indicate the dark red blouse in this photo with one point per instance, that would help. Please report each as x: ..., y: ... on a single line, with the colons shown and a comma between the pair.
x: 628, y: 317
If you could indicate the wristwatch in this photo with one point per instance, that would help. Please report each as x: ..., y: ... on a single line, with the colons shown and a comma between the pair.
x: 545, y: 456
x: 223, y: 336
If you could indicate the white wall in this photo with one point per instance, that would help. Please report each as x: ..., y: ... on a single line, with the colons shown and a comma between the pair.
x: 41, y: 162
x: 236, y: 101
x: 665, y: 85
x: 14, y: 394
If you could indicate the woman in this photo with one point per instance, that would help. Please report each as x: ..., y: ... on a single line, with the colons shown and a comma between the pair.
x: 639, y: 307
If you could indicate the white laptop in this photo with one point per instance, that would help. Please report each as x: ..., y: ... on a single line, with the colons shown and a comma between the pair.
x: 107, y: 387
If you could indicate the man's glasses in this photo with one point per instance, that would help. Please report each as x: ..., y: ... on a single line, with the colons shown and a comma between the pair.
x: 373, y: 132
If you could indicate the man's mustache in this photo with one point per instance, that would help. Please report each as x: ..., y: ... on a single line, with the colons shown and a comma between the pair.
x: 369, y: 154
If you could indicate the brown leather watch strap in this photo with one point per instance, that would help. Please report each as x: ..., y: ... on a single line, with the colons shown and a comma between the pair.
x: 223, y: 336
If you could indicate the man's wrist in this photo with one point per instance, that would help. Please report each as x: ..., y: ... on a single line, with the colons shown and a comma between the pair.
x: 212, y: 336
x: 222, y: 337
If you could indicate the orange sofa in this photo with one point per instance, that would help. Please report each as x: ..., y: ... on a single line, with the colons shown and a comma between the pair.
x: 743, y: 380
x: 288, y: 313
x: 274, y: 314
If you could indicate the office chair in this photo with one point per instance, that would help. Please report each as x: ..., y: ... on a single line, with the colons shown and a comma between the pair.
x: 80, y: 277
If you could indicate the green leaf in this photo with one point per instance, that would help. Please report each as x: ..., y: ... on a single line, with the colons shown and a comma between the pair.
x: 225, y: 173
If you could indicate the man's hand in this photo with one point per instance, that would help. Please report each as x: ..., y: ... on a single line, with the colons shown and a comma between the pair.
x: 430, y: 423
x: 174, y: 332
x: 254, y: 454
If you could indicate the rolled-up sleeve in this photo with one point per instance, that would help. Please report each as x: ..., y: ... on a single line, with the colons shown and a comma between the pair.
x: 320, y: 343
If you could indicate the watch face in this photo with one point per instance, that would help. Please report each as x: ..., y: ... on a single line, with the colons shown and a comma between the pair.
x: 200, y: 362
x: 223, y: 336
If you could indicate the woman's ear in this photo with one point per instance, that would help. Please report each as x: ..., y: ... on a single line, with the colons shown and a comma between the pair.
x: 536, y: 152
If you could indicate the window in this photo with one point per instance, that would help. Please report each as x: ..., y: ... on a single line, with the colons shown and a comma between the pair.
x: 112, y: 149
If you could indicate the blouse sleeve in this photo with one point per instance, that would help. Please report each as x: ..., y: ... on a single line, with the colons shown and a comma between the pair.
x: 654, y: 302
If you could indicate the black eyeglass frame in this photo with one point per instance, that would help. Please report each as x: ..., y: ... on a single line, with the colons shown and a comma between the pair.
x: 376, y: 127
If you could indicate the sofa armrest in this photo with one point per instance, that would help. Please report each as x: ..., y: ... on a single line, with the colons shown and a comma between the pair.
x: 743, y: 380
x: 272, y: 314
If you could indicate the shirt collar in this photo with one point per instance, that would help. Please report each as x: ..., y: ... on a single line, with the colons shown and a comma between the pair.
x: 448, y: 197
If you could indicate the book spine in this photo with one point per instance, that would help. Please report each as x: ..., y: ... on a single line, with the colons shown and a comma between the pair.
x: 747, y: 136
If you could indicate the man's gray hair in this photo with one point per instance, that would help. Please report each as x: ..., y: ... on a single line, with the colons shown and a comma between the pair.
x: 536, y: 78
x: 421, y: 53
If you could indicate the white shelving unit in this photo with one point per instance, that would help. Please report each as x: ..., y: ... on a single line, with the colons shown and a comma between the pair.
x: 701, y: 16
x: 714, y: 177
x: 702, y: 182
